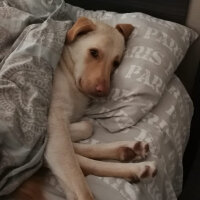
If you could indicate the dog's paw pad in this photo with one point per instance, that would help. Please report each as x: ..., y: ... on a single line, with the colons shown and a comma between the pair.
x: 146, y: 148
x: 149, y: 170
x: 132, y: 151
x: 138, y: 147
x: 145, y: 173
x: 141, y: 149
x: 134, y: 179
x: 154, y: 172
x: 126, y: 154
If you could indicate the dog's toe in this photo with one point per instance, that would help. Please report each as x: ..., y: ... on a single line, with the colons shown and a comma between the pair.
x: 148, y: 170
x: 141, y: 149
x: 126, y: 154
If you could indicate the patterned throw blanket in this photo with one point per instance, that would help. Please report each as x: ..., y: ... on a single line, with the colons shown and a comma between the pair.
x: 31, y: 42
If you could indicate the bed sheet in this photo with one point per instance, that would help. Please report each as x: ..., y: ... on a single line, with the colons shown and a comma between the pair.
x: 166, y: 128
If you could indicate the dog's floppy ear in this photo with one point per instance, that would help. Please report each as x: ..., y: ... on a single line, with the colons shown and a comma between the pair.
x: 82, y: 25
x: 125, y: 30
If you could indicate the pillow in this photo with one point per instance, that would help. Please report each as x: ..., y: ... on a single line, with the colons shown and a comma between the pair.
x: 154, y: 51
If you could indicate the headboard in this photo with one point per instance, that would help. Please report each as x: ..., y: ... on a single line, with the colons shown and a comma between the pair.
x: 174, y: 10
x: 181, y: 11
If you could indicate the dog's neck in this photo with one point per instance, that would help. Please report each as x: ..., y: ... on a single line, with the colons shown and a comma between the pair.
x: 79, y: 101
x: 67, y: 62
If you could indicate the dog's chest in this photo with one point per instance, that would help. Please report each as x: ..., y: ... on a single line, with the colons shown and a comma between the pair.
x: 80, y: 104
x: 67, y: 97
x: 76, y: 101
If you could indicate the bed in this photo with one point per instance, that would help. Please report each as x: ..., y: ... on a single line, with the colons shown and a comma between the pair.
x: 158, y: 115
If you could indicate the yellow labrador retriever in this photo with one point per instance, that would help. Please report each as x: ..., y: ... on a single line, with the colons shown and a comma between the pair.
x: 92, y: 52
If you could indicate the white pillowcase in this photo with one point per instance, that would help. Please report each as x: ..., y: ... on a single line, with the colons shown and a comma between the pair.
x: 154, y: 51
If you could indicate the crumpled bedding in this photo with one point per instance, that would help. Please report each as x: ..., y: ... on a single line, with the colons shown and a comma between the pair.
x: 30, y: 48
x: 166, y: 128
x: 32, y: 35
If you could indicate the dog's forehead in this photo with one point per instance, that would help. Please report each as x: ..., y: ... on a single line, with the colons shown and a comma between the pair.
x: 107, y: 37
x: 108, y: 31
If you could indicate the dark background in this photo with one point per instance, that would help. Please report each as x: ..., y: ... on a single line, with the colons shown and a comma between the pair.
x: 173, y: 10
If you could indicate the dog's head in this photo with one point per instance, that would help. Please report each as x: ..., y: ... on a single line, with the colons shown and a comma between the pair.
x: 96, y: 49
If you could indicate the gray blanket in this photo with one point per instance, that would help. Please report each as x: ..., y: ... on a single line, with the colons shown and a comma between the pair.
x: 32, y: 35
x: 31, y: 42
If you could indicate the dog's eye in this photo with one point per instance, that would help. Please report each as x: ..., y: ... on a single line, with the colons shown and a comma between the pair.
x: 115, y: 64
x: 94, y: 53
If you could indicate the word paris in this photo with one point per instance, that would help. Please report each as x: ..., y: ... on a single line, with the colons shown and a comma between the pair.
x: 153, y: 55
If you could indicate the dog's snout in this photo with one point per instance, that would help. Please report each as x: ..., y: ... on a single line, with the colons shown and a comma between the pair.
x: 101, y: 89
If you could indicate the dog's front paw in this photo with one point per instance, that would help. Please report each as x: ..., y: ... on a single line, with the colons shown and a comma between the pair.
x: 143, y: 170
x: 132, y: 151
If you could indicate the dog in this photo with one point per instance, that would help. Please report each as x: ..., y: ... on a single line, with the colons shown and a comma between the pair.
x: 92, y: 52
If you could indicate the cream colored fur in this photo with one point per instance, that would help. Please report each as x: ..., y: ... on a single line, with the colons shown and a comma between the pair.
x: 79, y: 76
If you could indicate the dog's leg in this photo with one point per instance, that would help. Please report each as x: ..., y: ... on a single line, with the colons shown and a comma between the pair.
x: 61, y: 159
x: 122, y: 150
x: 133, y: 172
x: 59, y: 154
x: 81, y: 130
